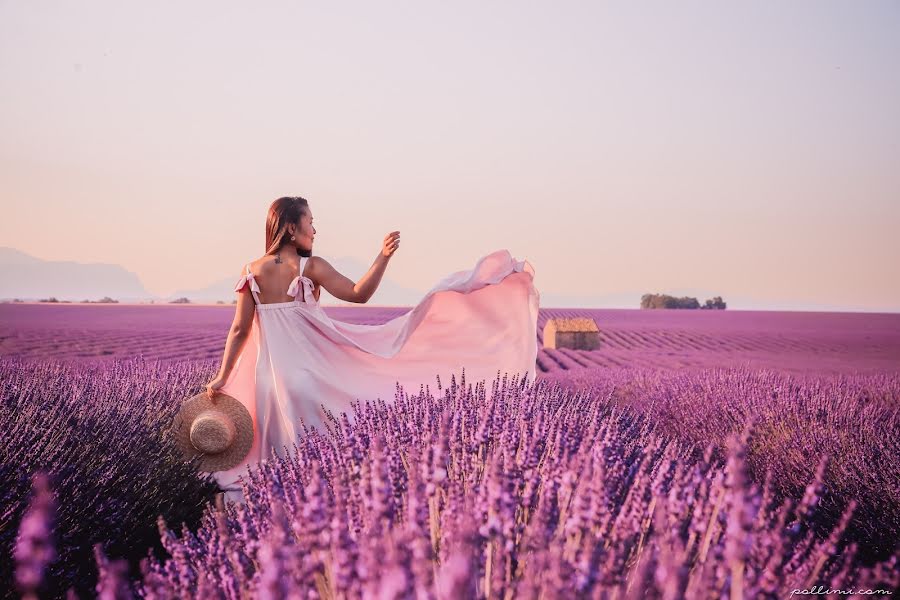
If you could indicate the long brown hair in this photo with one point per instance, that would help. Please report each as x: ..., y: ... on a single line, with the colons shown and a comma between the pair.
x: 284, y: 211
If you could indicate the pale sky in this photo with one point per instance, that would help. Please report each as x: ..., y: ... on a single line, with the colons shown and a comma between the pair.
x: 751, y: 149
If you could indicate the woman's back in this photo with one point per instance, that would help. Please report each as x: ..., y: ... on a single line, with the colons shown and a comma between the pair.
x: 275, y: 276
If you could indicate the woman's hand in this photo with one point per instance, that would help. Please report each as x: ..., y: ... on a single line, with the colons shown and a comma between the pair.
x: 213, y: 387
x: 391, y: 243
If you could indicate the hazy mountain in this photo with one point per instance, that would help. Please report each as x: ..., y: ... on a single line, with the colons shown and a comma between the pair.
x: 29, y: 278
x: 222, y: 289
x: 26, y: 277
x: 632, y: 299
x: 389, y: 293
x: 617, y: 300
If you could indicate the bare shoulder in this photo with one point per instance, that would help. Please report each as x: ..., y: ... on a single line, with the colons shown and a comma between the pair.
x: 256, y: 265
x: 261, y: 265
x: 314, y: 267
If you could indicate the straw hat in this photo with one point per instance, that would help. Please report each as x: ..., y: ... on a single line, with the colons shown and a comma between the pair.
x: 221, y: 432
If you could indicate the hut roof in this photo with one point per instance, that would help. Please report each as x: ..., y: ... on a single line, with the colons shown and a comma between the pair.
x: 574, y: 324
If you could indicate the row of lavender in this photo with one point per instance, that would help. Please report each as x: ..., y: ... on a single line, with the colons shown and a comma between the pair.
x: 666, y: 339
x: 522, y: 490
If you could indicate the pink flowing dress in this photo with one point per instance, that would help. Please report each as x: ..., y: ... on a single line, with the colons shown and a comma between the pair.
x: 298, y: 360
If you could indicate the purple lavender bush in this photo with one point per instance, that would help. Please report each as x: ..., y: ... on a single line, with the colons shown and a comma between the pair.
x: 34, y: 548
x: 529, y: 491
x: 99, y: 434
x: 855, y: 419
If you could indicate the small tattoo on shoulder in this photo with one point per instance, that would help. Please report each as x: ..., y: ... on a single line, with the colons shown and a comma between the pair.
x: 278, y: 260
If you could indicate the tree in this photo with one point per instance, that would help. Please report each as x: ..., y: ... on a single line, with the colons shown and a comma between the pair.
x: 716, y: 303
x: 666, y: 301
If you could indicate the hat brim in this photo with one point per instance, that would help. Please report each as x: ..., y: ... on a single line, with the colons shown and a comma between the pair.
x: 233, y: 409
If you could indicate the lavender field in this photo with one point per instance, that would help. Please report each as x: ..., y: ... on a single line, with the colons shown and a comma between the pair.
x: 694, y: 454
x: 665, y: 339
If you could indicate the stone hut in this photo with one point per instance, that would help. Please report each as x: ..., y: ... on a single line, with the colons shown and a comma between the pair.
x: 575, y: 333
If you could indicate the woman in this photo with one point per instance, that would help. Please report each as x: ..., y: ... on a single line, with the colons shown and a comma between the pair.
x: 286, y: 360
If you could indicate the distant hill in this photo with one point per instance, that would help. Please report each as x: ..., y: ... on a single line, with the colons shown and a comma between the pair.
x: 389, y: 293
x: 29, y: 278
x: 616, y: 300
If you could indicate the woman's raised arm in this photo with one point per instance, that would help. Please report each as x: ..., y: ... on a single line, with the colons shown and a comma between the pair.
x: 343, y: 288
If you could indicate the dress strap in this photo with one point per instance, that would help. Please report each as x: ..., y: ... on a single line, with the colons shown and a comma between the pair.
x: 303, y: 260
x: 301, y: 287
x: 248, y: 278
